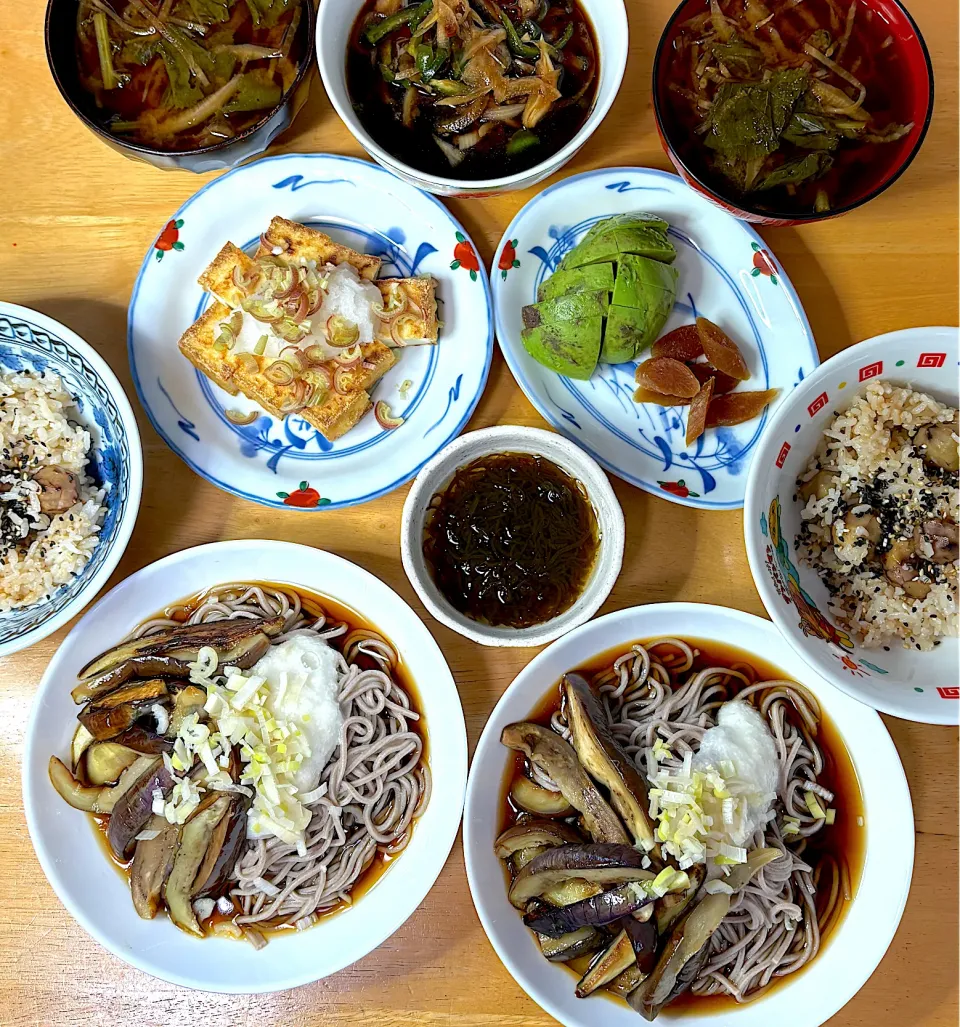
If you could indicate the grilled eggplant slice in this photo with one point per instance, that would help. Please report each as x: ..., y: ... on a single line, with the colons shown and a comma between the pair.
x: 614, y: 959
x: 152, y: 863
x: 557, y: 759
x: 597, y: 864
x: 239, y: 642
x: 605, y: 761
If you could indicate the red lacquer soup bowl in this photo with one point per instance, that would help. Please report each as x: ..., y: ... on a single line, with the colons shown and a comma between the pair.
x: 901, y: 81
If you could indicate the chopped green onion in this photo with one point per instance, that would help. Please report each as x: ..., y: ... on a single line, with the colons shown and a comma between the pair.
x: 816, y: 810
x: 261, y: 346
x: 109, y: 76
x: 409, y: 16
x: 522, y: 141
x: 831, y: 815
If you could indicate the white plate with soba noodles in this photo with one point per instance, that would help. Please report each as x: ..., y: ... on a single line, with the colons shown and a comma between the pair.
x: 232, y: 778
x: 662, y: 824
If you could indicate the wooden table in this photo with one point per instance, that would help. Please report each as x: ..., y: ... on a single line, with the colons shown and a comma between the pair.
x: 75, y: 221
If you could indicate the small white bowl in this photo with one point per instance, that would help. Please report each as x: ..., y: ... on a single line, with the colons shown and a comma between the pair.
x: 69, y: 847
x: 853, y: 950
x: 31, y: 341
x: 920, y: 686
x: 334, y: 24
x: 513, y: 439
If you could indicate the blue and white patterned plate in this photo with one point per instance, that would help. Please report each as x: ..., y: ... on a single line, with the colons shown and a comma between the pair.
x: 30, y: 341
x: 284, y: 464
x: 725, y: 275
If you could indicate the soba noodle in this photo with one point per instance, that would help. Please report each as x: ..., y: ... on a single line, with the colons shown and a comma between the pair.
x: 773, y: 927
x: 376, y: 783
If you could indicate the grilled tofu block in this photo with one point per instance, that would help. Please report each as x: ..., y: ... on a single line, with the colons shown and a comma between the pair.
x: 301, y: 243
x: 336, y: 415
x: 418, y: 328
x: 340, y: 411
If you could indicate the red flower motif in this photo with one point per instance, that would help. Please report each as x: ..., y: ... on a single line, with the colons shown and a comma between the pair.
x: 678, y: 488
x: 763, y: 263
x: 465, y: 256
x: 304, y: 497
x: 508, y: 258
x: 169, y: 238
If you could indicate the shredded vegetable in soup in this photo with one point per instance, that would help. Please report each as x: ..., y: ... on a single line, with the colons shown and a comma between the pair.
x: 184, y: 74
x: 786, y: 101
x: 472, y: 88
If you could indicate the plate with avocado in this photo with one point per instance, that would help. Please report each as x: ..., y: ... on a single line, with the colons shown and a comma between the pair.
x: 592, y: 272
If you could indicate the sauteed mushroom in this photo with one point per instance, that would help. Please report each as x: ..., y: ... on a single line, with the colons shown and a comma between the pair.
x: 59, y: 489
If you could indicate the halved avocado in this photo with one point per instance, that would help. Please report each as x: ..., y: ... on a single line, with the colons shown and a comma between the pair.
x: 567, y: 348
x: 591, y: 278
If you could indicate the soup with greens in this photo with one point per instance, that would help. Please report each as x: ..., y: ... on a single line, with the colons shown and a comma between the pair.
x: 184, y: 74
x: 788, y: 104
x: 472, y: 89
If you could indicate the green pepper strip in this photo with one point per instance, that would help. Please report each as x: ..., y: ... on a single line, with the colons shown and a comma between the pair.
x: 564, y: 38
x: 517, y: 46
x: 411, y: 16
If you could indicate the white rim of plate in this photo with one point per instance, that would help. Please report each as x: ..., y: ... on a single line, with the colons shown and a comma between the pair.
x: 696, y: 200
x: 395, y: 184
x: 443, y: 841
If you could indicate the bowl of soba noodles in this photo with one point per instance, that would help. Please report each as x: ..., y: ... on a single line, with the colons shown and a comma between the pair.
x: 663, y: 824
x: 245, y: 767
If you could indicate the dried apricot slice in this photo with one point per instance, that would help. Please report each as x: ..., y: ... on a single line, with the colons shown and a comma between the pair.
x: 721, y: 350
x: 697, y: 417
x: 642, y: 395
x: 682, y: 344
x: 722, y: 382
x: 668, y: 377
x: 737, y: 407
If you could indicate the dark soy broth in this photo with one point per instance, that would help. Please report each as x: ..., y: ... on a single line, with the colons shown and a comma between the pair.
x: 844, y: 841
x: 186, y: 74
x: 871, y: 54
x: 378, y: 83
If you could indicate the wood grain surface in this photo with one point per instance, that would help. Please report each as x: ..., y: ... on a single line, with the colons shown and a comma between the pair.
x: 75, y: 221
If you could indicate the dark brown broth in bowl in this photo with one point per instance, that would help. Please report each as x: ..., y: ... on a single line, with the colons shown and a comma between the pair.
x: 184, y: 74
x: 787, y: 106
x: 444, y: 103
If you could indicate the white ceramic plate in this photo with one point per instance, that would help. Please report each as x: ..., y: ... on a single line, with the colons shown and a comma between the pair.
x: 857, y: 946
x: 99, y: 897
x: 289, y: 463
x: 725, y: 275
x: 906, y: 683
x: 31, y: 341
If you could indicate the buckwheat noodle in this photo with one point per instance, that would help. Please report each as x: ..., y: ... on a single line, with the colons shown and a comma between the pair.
x: 376, y: 784
x: 775, y: 925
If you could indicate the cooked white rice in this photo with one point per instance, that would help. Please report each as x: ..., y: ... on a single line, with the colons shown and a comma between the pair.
x: 878, y: 471
x: 38, y: 553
